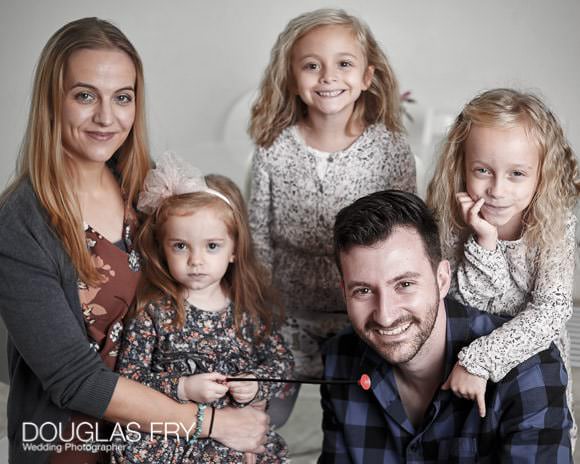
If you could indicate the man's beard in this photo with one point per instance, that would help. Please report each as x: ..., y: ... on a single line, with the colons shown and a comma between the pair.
x: 404, y: 351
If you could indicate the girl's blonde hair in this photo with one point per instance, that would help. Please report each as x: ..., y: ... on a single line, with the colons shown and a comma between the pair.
x: 245, y: 279
x: 278, y: 107
x: 558, y: 179
x: 42, y: 159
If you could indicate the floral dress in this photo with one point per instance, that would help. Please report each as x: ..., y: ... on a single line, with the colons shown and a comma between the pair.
x: 104, y: 306
x: 157, y: 354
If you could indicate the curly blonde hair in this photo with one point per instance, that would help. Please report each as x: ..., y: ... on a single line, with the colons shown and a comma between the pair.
x: 246, y: 280
x: 278, y: 107
x: 558, y: 181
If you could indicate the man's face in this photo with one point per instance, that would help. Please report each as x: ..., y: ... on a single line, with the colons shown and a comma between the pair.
x: 392, y: 293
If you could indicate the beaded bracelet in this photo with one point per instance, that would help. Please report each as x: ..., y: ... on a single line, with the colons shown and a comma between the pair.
x: 198, y: 423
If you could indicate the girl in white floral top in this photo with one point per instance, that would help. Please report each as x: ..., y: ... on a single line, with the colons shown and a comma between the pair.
x: 504, y: 191
x: 327, y: 129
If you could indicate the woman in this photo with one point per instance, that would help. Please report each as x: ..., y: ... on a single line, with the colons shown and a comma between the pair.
x: 68, y: 271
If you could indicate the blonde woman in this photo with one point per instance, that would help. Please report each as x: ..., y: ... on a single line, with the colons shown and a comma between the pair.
x: 504, y: 190
x: 328, y: 130
x: 68, y: 269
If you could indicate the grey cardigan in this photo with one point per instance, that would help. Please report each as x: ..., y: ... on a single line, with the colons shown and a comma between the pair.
x: 53, y: 371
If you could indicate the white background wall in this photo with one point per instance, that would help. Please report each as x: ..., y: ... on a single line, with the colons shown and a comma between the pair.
x: 200, y: 57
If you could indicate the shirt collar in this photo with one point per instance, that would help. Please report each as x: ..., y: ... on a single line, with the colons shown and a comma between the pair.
x: 383, y: 383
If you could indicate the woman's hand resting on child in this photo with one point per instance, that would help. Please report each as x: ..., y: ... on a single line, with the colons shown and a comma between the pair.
x: 486, y: 233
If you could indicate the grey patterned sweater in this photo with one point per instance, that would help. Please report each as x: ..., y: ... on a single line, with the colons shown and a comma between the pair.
x: 292, y: 208
x: 534, y: 286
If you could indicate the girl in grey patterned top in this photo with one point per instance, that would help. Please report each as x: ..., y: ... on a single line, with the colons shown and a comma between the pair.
x: 328, y: 131
x: 504, y: 190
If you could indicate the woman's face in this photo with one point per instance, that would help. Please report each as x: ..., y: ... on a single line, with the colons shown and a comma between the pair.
x: 98, y: 108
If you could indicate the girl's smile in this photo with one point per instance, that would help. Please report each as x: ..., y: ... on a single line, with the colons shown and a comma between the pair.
x: 501, y: 166
x: 330, y: 71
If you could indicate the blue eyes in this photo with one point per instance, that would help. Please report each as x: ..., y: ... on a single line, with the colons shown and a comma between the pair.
x: 315, y: 66
x: 85, y: 97
x: 179, y: 246
x: 124, y: 99
x: 213, y: 246
x: 182, y: 246
x: 487, y: 172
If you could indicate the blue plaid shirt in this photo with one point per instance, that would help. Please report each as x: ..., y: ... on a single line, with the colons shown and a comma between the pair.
x: 527, y: 418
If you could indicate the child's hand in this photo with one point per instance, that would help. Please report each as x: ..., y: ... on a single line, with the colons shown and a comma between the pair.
x: 202, y: 388
x: 243, y: 392
x: 486, y: 233
x: 468, y: 386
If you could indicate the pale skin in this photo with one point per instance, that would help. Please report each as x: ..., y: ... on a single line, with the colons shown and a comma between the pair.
x: 330, y: 71
x: 98, y: 112
x: 395, y: 303
x: 199, y: 250
x: 501, y: 177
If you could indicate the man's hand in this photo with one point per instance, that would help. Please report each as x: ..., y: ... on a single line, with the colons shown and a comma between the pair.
x: 468, y: 386
x: 202, y: 388
x: 486, y: 233
x: 243, y: 392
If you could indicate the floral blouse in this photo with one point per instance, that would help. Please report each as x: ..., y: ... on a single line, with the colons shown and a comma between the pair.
x: 104, y: 306
x: 531, y: 284
x: 156, y: 354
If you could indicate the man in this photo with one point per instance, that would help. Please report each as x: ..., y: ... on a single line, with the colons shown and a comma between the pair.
x: 406, y: 338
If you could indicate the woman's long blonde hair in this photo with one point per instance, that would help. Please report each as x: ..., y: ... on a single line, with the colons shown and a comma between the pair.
x: 42, y: 159
x: 558, y: 180
x: 246, y: 280
x: 278, y: 106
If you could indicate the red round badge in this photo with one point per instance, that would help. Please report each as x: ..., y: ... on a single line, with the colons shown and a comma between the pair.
x: 365, y: 382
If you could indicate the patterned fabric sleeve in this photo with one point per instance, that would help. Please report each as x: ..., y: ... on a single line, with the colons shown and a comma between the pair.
x: 276, y: 361
x: 535, y: 327
x: 259, y: 207
x: 480, y: 276
x: 405, y: 170
x: 140, y: 340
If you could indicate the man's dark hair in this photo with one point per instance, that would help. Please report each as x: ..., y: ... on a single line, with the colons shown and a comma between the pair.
x: 371, y: 219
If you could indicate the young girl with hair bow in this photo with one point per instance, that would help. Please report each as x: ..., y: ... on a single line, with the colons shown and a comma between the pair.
x: 205, y: 313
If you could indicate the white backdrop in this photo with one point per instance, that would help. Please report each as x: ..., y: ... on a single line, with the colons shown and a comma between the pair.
x: 201, y: 57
